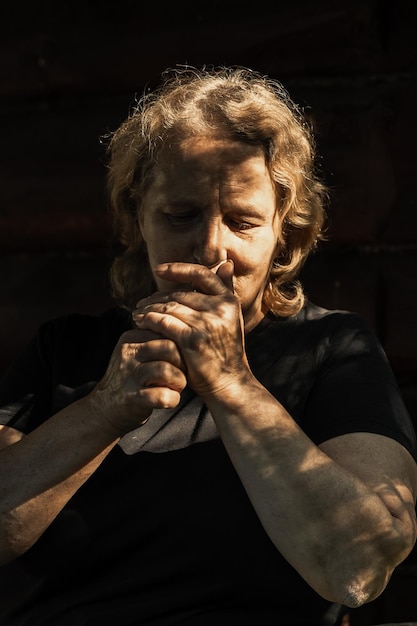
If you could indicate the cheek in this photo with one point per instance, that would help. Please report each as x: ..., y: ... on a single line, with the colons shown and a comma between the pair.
x: 248, y: 284
x: 256, y: 261
x: 162, y: 250
x: 157, y: 243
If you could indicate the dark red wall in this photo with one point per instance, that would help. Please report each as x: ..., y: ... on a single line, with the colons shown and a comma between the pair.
x: 69, y: 71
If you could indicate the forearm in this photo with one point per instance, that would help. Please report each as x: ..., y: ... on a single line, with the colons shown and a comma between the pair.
x: 336, y: 531
x: 42, y: 471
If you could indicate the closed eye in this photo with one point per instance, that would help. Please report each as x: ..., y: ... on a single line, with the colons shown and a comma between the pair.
x: 189, y: 218
x: 181, y: 219
x: 239, y: 225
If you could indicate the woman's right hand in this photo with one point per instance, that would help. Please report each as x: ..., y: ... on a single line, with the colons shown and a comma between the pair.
x: 145, y: 372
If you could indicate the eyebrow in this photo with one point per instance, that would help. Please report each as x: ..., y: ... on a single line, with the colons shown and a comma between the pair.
x: 249, y: 210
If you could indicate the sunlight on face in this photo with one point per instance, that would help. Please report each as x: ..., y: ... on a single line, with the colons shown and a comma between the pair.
x: 211, y: 200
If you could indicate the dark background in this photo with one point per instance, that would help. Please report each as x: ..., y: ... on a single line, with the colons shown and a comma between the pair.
x: 69, y: 72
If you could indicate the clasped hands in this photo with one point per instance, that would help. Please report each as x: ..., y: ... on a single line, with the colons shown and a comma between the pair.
x: 192, y: 336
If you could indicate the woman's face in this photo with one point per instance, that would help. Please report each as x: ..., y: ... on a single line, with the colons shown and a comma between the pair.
x: 213, y: 199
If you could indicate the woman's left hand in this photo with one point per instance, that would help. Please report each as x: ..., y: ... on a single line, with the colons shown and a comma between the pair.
x: 206, y: 323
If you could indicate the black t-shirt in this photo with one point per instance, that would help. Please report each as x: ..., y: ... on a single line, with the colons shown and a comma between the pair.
x: 163, y: 532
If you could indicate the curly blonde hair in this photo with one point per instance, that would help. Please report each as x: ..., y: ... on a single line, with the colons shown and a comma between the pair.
x: 243, y: 105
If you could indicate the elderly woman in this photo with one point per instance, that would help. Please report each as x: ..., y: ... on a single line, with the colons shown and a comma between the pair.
x: 214, y: 450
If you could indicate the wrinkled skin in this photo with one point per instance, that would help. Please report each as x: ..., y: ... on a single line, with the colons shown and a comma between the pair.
x: 342, y: 513
x: 206, y: 324
x: 145, y: 372
x: 209, y: 221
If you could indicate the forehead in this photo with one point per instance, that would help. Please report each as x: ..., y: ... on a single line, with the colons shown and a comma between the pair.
x: 209, y: 162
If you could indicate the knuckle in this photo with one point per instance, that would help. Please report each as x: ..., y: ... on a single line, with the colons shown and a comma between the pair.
x: 164, y: 369
x: 168, y: 306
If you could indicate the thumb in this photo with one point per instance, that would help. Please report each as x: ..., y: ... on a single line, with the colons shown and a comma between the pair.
x: 226, y: 273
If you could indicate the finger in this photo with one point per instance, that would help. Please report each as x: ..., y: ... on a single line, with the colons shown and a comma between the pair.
x: 226, y: 272
x: 199, y: 277
x: 161, y: 374
x: 139, y: 373
x: 177, y: 303
x: 160, y: 397
x: 181, y: 306
x: 137, y: 336
x: 169, y: 326
x: 159, y: 350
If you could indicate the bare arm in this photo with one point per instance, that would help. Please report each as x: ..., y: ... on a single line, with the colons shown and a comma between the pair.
x: 41, y: 471
x: 342, y: 514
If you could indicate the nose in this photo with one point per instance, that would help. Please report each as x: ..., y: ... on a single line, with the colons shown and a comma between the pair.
x: 210, y: 246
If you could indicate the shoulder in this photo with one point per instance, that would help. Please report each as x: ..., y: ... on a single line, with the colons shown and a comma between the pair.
x: 315, y: 327
x: 343, y: 337
x: 310, y: 343
x: 329, y: 320
x: 320, y: 339
x: 66, y: 356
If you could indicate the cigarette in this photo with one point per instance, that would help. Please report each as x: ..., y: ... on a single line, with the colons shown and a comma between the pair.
x: 216, y: 266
